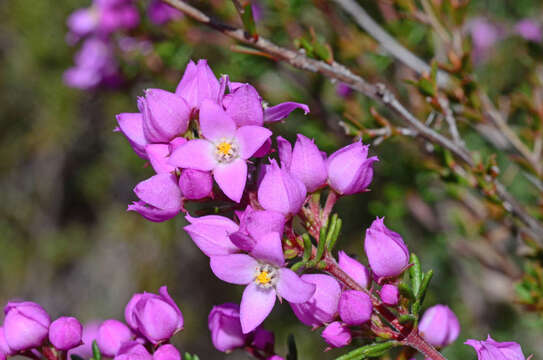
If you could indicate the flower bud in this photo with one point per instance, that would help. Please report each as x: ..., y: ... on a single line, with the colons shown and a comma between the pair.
x: 165, y: 115
x: 195, y: 184
x: 337, y: 335
x: 133, y: 350
x: 322, y: 307
x: 5, y: 351
x: 491, y: 349
x: 354, y: 269
x: 355, y: 307
x: 389, y: 295
x: 25, y: 326
x: 350, y: 171
x: 263, y: 339
x: 439, y: 326
x: 65, y: 333
x: 308, y: 164
x: 156, y: 317
x: 198, y: 83
x: 387, y: 254
x: 167, y: 352
x: 280, y: 191
x: 112, y: 334
x: 225, y: 327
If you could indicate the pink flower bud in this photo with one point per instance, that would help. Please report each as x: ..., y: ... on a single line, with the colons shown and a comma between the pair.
x: 322, y: 307
x: 491, y: 349
x: 195, y: 184
x: 337, y: 335
x: 263, y: 339
x: 133, y: 350
x: 354, y: 269
x: 5, y: 351
x: 225, y: 327
x: 25, y: 326
x: 112, y: 334
x: 350, y: 171
x: 389, y: 295
x: 355, y: 307
x: 90, y: 333
x: 439, y: 326
x: 385, y: 249
x: 307, y: 164
x: 65, y: 333
x: 165, y: 115
x: 198, y: 83
x: 167, y: 352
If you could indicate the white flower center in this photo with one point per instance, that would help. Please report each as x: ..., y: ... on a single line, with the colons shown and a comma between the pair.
x: 266, y: 275
x: 226, y: 151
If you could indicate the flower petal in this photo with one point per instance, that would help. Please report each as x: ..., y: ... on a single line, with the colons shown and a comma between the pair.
x: 158, y: 156
x: 152, y: 213
x: 235, y: 269
x: 269, y: 248
x: 281, y: 111
x: 131, y: 125
x: 160, y: 191
x: 292, y: 288
x: 215, y: 220
x: 285, y: 152
x: 256, y: 304
x: 195, y: 154
x: 215, y: 123
x: 245, y: 106
x: 250, y: 139
x: 212, y: 240
x: 231, y: 178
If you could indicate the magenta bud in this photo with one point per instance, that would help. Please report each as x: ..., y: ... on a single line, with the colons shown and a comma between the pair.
x: 26, y: 325
x: 389, y: 295
x: 263, y: 339
x: 195, y: 184
x: 307, y: 164
x: 245, y: 106
x: 322, y: 307
x: 387, y: 254
x: 165, y: 115
x: 280, y: 191
x: 112, y: 334
x: 350, y: 171
x: 337, y: 335
x: 354, y: 269
x: 5, y: 351
x: 491, y: 349
x: 355, y: 307
x: 225, y: 327
x: 167, y: 352
x: 65, y: 333
x: 133, y: 350
x: 439, y: 326
x: 198, y: 83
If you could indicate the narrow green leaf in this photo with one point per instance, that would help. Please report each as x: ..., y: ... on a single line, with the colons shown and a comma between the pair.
x: 407, y: 318
x: 297, y: 265
x: 292, y: 351
x: 307, y: 247
x: 335, y: 235
x: 424, y: 285
x: 366, y: 351
x: 406, y: 291
x: 96, y: 351
x: 415, y: 273
x: 331, y: 228
x: 248, y: 20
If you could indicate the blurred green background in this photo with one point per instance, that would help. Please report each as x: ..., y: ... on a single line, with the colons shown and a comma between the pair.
x: 66, y: 178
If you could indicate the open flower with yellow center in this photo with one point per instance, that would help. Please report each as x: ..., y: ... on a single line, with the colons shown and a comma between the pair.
x: 224, y: 149
x: 266, y: 277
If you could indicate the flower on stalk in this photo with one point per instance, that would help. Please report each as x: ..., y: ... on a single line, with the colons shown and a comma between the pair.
x: 65, y: 333
x: 225, y: 327
x: 266, y: 277
x: 198, y: 84
x: 387, y: 253
x: 160, y: 198
x: 389, y: 294
x: 112, y: 334
x: 211, y: 234
x: 439, y: 326
x: 322, y: 307
x: 491, y: 349
x: 195, y: 184
x: 337, y: 335
x: 355, y: 307
x: 26, y: 325
x: 354, y: 269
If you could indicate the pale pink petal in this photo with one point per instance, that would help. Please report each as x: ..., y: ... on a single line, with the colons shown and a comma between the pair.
x: 293, y: 289
x: 195, y: 154
x: 256, y: 304
x: 231, y: 178
x: 235, y: 269
x: 215, y: 124
x: 285, y: 152
x: 281, y: 111
x: 250, y: 139
x: 160, y: 191
x: 269, y: 248
x: 131, y: 125
x: 158, y: 156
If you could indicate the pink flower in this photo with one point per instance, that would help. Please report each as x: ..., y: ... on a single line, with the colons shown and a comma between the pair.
x: 337, y: 335
x: 211, y: 234
x: 354, y: 269
x: 160, y: 198
x: 439, y: 326
x: 26, y: 325
x: 198, y: 84
x: 323, y: 305
x: 490, y: 349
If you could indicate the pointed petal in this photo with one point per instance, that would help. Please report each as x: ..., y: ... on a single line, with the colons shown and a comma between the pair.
x: 195, y: 154
x: 215, y: 220
x: 212, y: 240
x: 158, y: 156
x: 281, y: 111
x: 256, y: 304
x: 292, y: 288
x: 269, y: 248
x: 234, y: 269
x: 131, y: 125
x: 215, y: 123
x: 245, y: 107
x: 285, y: 152
x: 231, y: 178
x: 152, y: 213
x: 160, y: 191
x: 250, y: 139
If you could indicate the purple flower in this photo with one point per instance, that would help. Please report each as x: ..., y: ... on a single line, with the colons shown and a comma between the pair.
x: 337, y: 335
x: 281, y: 111
x: 387, y: 254
x: 490, y: 349
x: 156, y: 317
x: 225, y: 327
x: 167, y: 352
x: 124, y: 16
x: 195, y: 184
x: 389, y: 294
x: 90, y: 333
x: 322, y: 307
x: 112, y: 334
x: 343, y: 90
x: 355, y: 307
x: 354, y: 269
x: 529, y: 29
x: 5, y: 350
x: 83, y: 21
x: 211, y: 234
x: 224, y: 151
x: 198, y: 84
x: 308, y: 164
x: 244, y: 106
x: 26, y: 325
x: 254, y: 224
x: 350, y: 171
x: 65, y: 333
x: 263, y: 339
x: 280, y: 191
x: 439, y: 326
x: 160, y: 198
x: 161, y: 13
x: 133, y: 350
x: 266, y: 276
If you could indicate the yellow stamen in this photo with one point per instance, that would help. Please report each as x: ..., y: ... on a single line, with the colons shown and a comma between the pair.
x: 224, y: 148
x: 263, y: 278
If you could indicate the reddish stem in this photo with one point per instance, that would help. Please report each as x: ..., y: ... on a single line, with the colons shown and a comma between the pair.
x: 329, y: 205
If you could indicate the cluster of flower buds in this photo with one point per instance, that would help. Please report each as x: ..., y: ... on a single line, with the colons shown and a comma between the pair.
x: 95, y: 62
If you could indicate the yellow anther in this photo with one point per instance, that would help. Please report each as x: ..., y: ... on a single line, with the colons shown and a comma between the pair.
x: 263, y: 278
x: 224, y: 148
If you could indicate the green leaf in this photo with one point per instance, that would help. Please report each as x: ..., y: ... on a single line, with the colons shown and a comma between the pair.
x: 335, y: 235
x: 248, y: 20
x: 424, y: 286
x: 307, y: 247
x: 297, y: 265
x: 372, y: 350
x: 406, y: 291
x: 96, y: 351
x: 407, y: 318
x: 292, y: 351
x: 415, y: 273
